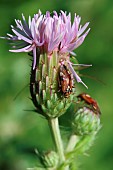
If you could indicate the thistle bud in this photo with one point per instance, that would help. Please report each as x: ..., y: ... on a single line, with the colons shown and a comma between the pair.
x: 86, y: 119
x: 50, y: 159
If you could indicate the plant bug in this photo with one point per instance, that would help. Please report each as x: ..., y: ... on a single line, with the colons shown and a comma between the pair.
x: 65, y: 80
x: 90, y: 101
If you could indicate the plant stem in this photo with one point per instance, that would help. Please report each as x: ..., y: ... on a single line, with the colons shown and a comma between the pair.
x: 53, y: 123
x: 72, y: 143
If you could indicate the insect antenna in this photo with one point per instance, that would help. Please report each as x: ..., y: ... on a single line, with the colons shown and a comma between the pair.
x: 93, y: 78
x: 20, y: 91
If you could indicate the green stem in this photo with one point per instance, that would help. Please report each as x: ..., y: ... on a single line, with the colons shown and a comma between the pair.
x: 53, y: 123
x: 72, y: 143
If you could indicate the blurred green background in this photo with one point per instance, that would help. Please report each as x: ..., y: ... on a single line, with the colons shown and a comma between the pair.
x: 21, y: 130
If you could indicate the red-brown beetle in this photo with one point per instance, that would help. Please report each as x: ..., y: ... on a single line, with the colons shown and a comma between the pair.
x: 89, y: 100
x: 65, y: 80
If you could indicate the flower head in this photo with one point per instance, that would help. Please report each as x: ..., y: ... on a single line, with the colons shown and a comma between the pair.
x: 48, y: 33
x: 51, y: 40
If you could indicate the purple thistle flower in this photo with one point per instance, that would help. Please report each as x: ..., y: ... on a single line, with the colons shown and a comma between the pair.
x: 47, y: 34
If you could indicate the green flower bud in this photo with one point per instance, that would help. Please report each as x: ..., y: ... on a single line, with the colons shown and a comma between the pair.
x: 51, y: 94
x: 86, y: 117
x: 50, y: 159
x: 85, y: 122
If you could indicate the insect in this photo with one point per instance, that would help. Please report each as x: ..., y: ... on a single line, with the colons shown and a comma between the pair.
x: 65, y: 80
x: 89, y: 100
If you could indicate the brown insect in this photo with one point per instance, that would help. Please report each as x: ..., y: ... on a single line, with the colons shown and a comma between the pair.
x: 89, y: 100
x: 65, y: 80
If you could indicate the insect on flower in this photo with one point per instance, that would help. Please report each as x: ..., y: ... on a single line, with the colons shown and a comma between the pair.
x: 65, y: 80
x: 90, y: 101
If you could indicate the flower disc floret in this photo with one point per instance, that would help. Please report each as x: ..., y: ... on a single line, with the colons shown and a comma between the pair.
x: 48, y: 33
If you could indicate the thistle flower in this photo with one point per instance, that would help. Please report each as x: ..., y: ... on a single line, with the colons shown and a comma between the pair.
x: 50, y: 40
x: 48, y: 34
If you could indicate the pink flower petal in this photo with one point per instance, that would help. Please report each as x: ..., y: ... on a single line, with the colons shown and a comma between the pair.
x: 22, y: 37
x: 78, y: 79
x: 34, y: 58
x: 25, y: 49
x: 83, y: 29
